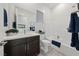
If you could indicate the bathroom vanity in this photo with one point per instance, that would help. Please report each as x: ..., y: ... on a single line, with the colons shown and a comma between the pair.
x: 22, y: 45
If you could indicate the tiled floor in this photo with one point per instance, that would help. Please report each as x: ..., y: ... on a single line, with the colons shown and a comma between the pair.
x: 51, y: 52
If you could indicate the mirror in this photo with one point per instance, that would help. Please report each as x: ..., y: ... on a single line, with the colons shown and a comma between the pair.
x: 24, y: 20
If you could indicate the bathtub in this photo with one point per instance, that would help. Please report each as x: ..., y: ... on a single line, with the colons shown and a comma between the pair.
x: 64, y: 49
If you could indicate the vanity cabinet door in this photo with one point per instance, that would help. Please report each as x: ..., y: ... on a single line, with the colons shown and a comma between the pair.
x: 15, y: 48
x: 18, y: 50
x: 33, y: 46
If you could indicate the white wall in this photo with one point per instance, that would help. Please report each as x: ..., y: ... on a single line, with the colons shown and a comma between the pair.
x: 59, y: 22
x: 1, y: 22
x: 12, y: 12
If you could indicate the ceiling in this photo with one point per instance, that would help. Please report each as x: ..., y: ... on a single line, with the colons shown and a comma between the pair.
x: 33, y: 6
x: 49, y: 5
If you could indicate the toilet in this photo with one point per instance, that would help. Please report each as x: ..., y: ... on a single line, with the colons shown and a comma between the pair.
x: 44, y: 43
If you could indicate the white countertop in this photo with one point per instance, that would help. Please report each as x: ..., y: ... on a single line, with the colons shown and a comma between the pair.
x: 28, y: 34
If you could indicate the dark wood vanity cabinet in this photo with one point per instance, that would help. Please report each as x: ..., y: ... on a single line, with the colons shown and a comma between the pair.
x: 23, y: 47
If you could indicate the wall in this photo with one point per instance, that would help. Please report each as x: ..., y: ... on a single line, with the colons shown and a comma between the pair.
x: 12, y: 12
x: 59, y: 22
x: 1, y: 22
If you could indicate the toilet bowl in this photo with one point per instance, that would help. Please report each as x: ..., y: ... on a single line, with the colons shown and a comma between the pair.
x: 44, y: 43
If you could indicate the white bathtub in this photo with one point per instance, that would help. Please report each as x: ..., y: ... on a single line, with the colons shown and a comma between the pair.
x: 65, y: 49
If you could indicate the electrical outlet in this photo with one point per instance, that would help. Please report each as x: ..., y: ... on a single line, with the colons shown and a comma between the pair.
x: 58, y: 36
